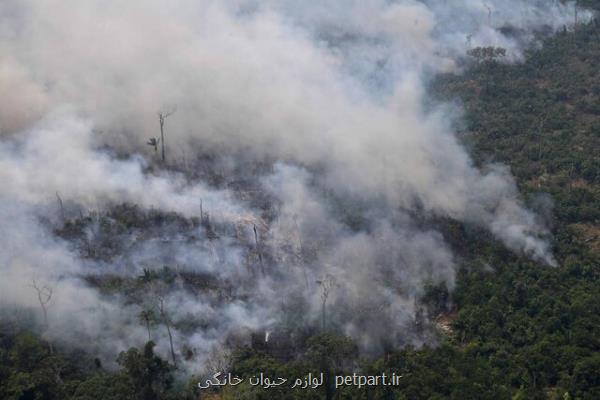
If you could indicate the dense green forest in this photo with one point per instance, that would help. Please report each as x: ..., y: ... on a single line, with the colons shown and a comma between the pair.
x: 511, y: 328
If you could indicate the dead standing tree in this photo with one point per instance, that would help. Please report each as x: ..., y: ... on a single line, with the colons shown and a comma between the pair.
x: 147, y: 317
x: 258, y: 250
x: 300, y: 254
x: 61, y: 206
x: 44, y: 295
x: 162, y: 116
x: 327, y: 283
x: 167, y: 321
x: 489, y: 15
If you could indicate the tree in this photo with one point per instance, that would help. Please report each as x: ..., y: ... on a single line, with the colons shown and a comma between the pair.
x: 258, y: 250
x: 487, y: 54
x: 489, y: 17
x: 167, y: 321
x: 34, y: 372
x: 162, y: 116
x: 149, y: 375
x: 331, y: 354
x: 61, y: 206
x: 147, y: 317
x: 105, y: 386
x: 44, y: 295
x: 586, y: 378
x: 327, y: 283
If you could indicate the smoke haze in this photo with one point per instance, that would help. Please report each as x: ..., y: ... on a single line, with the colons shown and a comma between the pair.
x: 329, y: 96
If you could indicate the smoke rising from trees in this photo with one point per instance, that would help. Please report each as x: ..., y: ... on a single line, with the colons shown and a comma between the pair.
x: 331, y: 96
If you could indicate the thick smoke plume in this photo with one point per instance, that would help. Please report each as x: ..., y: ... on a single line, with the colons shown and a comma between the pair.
x: 328, y: 97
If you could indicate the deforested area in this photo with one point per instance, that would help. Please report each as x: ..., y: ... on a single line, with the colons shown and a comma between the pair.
x: 325, y: 189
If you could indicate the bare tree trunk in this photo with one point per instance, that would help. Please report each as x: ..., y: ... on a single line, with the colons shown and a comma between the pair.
x: 171, y: 344
x: 148, y: 328
x: 44, y: 295
x: 323, y: 310
x: 60, y: 205
x: 162, y: 137
x: 167, y: 323
x: 327, y: 283
x: 301, y: 255
x: 262, y: 266
x: 161, y: 119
